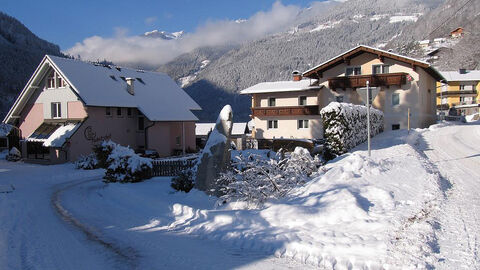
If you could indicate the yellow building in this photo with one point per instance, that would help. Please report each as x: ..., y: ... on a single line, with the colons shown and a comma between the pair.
x: 460, y: 96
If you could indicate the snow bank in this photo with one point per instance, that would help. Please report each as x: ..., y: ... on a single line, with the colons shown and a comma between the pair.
x: 345, y: 126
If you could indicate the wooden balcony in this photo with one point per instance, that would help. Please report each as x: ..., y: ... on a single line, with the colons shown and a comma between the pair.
x: 389, y: 79
x: 456, y: 93
x: 285, y: 111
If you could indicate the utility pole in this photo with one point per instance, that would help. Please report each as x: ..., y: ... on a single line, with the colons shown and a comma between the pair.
x: 368, y: 117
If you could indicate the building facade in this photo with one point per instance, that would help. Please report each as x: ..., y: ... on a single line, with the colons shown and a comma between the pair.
x: 291, y: 109
x: 460, y: 94
x: 68, y: 106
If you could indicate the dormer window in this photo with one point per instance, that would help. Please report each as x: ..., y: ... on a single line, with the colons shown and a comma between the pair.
x: 352, y: 71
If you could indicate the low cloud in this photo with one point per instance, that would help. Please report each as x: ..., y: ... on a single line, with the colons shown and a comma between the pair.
x: 150, y: 20
x: 134, y: 50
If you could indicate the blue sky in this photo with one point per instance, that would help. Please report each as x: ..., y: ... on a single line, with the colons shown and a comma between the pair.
x: 68, y: 22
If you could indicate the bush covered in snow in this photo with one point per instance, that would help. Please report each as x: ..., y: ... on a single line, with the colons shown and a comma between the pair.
x: 13, y: 155
x: 255, y: 179
x: 102, y: 152
x: 124, y: 166
x: 345, y: 126
x: 88, y: 162
x: 185, y: 180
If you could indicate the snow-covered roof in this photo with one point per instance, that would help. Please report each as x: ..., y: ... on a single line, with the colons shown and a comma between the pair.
x: 454, y: 76
x: 427, y: 41
x: 281, y: 86
x: 156, y: 95
x: 202, y: 129
x: 239, y: 128
x: 363, y: 48
x: 5, y: 129
x: 53, y: 135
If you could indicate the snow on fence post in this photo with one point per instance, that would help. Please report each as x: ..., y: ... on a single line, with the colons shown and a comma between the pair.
x: 344, y: 127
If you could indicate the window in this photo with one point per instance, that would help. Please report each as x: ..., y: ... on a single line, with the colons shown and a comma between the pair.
x: 119, y: 111
x: 108, y: 111
x: 302, y: 124
x: 141, y: 123
x: 395, y: 99
x: 302, y: 101
x: 395, y: 126
x: 56, y: 110
x: 272, y: 124
x: 380, y: 69
x: 353, y: 71
x: 271, y: 102
x: 177, y: 140
x: 462, y: 87
x: 51, y: 80
x: 339, y: 98
x: 129, y: 111
x: 60, y: 82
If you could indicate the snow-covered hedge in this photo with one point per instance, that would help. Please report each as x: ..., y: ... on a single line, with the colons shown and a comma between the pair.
x: 123, y: 165
x: 345, y: 126
x: 254, y: 179
x: 88, y: 162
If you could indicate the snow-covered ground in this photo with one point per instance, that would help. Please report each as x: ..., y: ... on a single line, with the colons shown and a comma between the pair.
x: 413, y: 204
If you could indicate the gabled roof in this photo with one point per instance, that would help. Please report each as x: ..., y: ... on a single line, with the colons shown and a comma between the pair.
x: 156, y: 95
x: 239, y: 128
x: 455, y: 76
x: 339, y: 59
x: 281, y: 86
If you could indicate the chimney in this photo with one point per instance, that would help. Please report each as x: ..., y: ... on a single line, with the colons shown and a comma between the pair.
x: 130, y: 86
x: 297, y: 76
x: 462, y: 71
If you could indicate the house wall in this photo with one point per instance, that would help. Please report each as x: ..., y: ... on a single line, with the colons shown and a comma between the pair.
x: 413, y: 95
x: 30, y: 118
x: 162, y: 137
x: 455, y: 86
x: 99, y: 126
x: 287, y: 125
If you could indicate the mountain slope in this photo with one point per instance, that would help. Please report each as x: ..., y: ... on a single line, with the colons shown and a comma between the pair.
x: 437, y: 24
x: 20, y: 52
x: 320, y: 33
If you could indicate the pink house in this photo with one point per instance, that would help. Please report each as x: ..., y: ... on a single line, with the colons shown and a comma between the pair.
x: 68, y: 106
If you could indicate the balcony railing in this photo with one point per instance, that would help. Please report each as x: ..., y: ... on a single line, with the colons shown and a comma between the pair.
x: 388, y: 79
x: 457, y: 93
x: 285, y: 111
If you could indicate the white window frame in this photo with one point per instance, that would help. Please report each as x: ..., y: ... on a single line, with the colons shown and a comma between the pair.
x: 274, y: 101
x: 272, y: 124
x: 382, y: 68
x: 303, y: 124
x: 353, y: 68
x: 57, y: 113
x: 396, y: 94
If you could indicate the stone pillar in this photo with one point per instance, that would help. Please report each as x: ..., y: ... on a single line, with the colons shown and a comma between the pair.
x: 215, y: 156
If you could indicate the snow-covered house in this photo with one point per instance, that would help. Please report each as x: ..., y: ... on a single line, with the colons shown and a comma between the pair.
x: 68, y: 105
x: 290, y: 109
x: 461, y: 94
x: 238, y: 135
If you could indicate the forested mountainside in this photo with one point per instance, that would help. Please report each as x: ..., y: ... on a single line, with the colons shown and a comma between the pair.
x: 217, y: 75
x: 20, y: 53
x: 438, y: 23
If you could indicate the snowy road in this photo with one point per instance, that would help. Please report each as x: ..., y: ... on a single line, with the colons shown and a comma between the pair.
x: 455, y: 151
x: 32, y: 234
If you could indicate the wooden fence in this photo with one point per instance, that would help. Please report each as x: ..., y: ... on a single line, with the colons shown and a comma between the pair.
x: 170, y: 167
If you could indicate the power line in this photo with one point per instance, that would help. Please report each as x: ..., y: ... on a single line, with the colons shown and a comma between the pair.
x: 448, y: 19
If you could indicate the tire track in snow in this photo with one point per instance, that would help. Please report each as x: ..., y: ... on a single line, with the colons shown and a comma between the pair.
x: 126, y: 255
